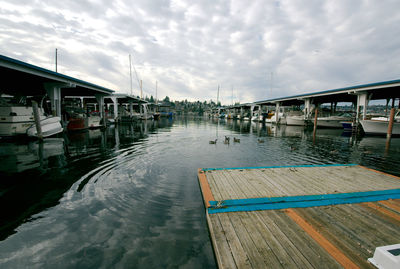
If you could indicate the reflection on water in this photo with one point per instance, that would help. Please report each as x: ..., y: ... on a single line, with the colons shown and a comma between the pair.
x: 128, y: 196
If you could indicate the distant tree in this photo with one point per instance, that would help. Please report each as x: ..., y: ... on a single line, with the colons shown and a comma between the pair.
x: 151, y: 99
x: 166, y: 99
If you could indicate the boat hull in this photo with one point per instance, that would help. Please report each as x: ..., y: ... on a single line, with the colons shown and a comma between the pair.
x: 50, y: 126
x: 295, y: 120
x: 15, y: 120
x: 94, y: 122
x: 77, y: 124
x: 347, y: 125
x: 377, y: 127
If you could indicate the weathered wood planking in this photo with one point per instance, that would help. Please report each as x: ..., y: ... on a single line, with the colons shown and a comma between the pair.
x: 273, y: 239
x: 276, y: 182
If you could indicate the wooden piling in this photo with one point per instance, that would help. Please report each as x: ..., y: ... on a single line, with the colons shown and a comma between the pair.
x: 390, y: 127
x: 315, y: 124
x: 36, y: 116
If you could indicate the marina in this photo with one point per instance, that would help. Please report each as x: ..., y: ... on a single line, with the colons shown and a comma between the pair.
x: 257, y: 218
x: 300, y: 216
x: 182, y: 134
x: 94, y: 186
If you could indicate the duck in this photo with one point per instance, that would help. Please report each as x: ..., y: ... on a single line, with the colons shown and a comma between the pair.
x: 227, y: 139
x: 213, y: 141
x: 236, y: 140
x: 260, y: 141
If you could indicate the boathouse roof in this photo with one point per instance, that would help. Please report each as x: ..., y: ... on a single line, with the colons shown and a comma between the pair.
x: 378, y: 90
x: 27, y: 79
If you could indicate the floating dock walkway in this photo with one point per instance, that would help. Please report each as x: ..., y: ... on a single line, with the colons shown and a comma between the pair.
x: 311, y: 216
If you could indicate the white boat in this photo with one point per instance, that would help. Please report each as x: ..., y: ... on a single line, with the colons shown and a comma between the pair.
x: 256, y: 117
x: 16, y: 119
x: 296, y: 120
x: 49, y: 125
x: 332, y: 121
x: 94, y: 121
x: 281, y: 119
x: 379, y: 125
x: 147, y: 116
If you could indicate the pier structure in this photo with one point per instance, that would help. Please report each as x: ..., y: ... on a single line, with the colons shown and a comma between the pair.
x: 21, y: 78
x: 129, y: 102
x: 358, y: 95
x: 303, y: 216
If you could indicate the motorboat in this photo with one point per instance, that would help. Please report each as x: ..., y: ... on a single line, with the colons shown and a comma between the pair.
x: 296, y: 120
x: 333, y: 121
x: 94, y: 120
x: 281, y: 119
x: 257, y: 117
x: 379, y: 125
x: 146, y: 116
x: 49, y: 126
x: 268, y: 117
x: 16, y: 118
x: 156, y: 115
x: 347, y: 125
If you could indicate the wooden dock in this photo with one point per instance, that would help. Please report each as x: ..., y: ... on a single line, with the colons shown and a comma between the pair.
x: 312, y: 216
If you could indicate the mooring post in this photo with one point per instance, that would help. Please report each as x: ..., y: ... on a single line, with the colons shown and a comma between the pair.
x: 390, y: 127
x: 315, y: 125
x: 315, y: 120
x: 36, y: 116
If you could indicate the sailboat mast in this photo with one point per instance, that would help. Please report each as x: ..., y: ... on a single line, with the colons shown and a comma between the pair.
x: 156, y: 93
x: 141, y: 89
x: 232, y: 95
x: 56, y: 60
x: 130, y: 71
x: 218, y: 95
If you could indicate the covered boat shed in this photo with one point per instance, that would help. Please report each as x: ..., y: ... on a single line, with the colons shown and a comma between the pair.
x: 21, y: 78
x: 359, y: 95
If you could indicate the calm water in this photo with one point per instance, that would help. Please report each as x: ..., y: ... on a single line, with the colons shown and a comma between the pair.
x: 128, y: 197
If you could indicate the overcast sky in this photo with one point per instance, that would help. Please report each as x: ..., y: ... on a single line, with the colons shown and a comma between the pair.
x: 255, y: 49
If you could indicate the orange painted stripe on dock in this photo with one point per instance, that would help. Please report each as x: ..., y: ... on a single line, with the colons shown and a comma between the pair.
x: 205, y: 188
x: 391, y: 205
x: 380, y: 172
x: 321, y: 240
x: 383, y: 210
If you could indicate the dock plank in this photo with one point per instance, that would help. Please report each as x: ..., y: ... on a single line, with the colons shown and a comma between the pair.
x: 273, y: 239
x: 223, y: 252
x: 241, y: 258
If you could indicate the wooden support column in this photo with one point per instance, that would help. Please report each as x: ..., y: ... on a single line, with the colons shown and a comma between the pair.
x: 307, y: 108
x: 115, y: 104
x: 277, y: 108
x: 36, y: 116
x: 100, y: 101
x: 130, y: 109
x: 362, y: 101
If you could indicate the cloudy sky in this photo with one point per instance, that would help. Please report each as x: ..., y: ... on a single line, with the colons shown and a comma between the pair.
x: 255, y: 50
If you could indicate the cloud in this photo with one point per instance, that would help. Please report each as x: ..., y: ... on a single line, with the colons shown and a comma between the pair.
x: 262, y: 49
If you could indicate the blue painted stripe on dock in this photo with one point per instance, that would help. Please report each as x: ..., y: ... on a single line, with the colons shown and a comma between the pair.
x: 280, y: 166
x: 301, y: 198
x: 339, y: 199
